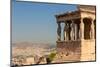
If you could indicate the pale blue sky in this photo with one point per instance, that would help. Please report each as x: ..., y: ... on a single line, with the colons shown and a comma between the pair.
x: 36, y: 22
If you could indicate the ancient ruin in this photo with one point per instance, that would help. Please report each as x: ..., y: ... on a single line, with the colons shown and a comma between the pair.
x: 78, y: 42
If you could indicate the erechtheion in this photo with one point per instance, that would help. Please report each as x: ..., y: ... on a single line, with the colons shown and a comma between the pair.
x: 79, y: 34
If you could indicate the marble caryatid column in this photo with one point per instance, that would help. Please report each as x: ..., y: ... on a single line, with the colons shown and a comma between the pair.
x: 76, y: 31
x: 72, y: 30
x: 69, y: 30
x: 59, y: 32
x: 81, y: 29
x: 66, y: 31
x: 92, y: 29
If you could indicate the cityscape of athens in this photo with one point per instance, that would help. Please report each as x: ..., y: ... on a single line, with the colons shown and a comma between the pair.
x: 52, y: 33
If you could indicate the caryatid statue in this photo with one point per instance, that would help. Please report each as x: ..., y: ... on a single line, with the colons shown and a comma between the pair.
x: 72, y: 31
x: 66, y: 31
x: 59, y: 32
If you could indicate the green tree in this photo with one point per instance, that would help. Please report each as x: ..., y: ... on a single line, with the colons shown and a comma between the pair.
x: 50, y: 58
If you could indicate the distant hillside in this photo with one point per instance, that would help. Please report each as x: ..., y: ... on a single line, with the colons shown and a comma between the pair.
x: 28, y: 48
x: 35, y: 45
